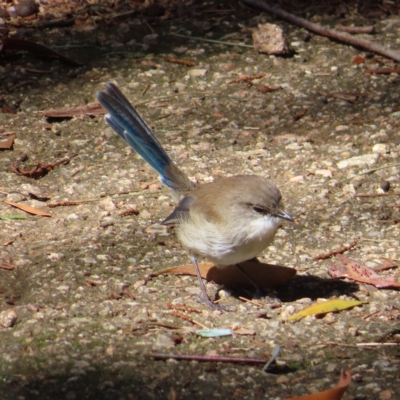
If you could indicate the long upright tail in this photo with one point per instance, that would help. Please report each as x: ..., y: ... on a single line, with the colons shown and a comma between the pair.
x: 125, y: 120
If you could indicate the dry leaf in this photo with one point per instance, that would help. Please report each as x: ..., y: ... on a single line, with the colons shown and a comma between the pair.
x: 332, y: 394
x: 40, y: 169
x: 93, y: 109
x: 266, y: 275
x: 325, y: 307
x: 28, y: 209
x: 7, y: 144
x: 352, y: 269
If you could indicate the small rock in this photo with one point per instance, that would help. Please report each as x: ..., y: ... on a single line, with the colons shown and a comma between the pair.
x: 26, y: 8
x: 8, y: 318
x: 366, y: 160
x: 63, y: 288
x: 156, y: 229
x: 381, y: 148
x: 151, y: 39
x: 269, y: 39
x: 385, y: 185
x: 298, y: 178
x: 197, y: 72
x: 32, y: 307
x: 324, y: 172
x: 55, y: 256
x: 163, y: 342
x: 107, y: 204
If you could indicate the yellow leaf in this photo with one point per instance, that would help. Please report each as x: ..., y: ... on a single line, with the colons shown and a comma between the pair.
x: 325, y: 307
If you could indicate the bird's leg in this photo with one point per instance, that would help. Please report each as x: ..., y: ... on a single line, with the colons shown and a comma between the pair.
x: 206, y: 298
x: 259, y: 290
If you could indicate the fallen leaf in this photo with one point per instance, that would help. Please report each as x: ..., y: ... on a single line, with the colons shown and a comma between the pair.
x: 266, y: 89
x: 325, y: 307
x: 5, y: 216
x: 214, y: 332
x: 28, y: 209
x: 91, y: 110
x: 7, y: 144
x: 40, y: 169
x: 358, y: 60
x: 266, y: 275
x: 7, y: 266
x: 174, y: 60
x: 332, y: 394
x: 352, y: 269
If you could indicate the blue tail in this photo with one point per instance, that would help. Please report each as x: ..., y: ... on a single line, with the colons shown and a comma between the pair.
x: 125, y: 120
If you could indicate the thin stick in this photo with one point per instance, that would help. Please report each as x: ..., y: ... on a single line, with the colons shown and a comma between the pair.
x: 194, y: 357
x: 212, y: 41
x: 355, y: 29
x: 333, y: 33
x: 332, y: 253
x: 377, y: 194
x: 370, y: 171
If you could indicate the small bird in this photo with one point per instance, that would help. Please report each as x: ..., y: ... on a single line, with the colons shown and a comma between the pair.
x: 228, y: 221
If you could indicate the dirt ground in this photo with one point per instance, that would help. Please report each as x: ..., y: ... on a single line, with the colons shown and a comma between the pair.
x: 88, y: 316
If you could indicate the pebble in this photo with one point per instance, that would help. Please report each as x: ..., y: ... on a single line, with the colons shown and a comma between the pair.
x: 197, y: 72
x: 381, y: 148
x: 366, y: 160
x: 8, y: 318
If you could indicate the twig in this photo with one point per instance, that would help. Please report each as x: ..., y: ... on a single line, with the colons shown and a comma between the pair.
x: 333, y: 33
x: 370, y: 171
x: 372, y: 344
x: 188, y: 319
x: 332, y: 253
x: 355, y: 29
x: 376, y: 194
x: 212, y: 41
x: 382, y: 71
x: 194, y: 357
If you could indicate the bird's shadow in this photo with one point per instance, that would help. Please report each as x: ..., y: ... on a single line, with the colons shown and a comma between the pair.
x: 279, y: 283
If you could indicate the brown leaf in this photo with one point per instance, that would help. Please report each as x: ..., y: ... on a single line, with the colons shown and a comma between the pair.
x: 7, y: 144
x: 7, y: 266
x: 352, y: 269
x: 93, y: 109
x: 181, y: 61
x: 266, y: 89
x: 40, y: 169
x: 28, y: 209
x: 266, y: 275
x: 332, y: 394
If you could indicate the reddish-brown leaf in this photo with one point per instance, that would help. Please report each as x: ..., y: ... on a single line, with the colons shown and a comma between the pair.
x: 349, y: 268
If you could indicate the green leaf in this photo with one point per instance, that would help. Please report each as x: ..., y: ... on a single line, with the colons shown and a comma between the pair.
x: 13, y: 217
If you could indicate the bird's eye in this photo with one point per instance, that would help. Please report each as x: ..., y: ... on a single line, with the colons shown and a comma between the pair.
x: 261, y: 209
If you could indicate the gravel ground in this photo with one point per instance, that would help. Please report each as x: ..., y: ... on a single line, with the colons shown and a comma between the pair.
x: 87, y: 315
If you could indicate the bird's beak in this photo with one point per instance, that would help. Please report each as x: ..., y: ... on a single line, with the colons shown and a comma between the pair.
x: 284, y: 215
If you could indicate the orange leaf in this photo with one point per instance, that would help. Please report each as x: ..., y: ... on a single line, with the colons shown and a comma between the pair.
x: 332, y: 394
x: 266, y: 275
x: 28, y: 209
